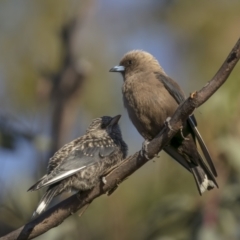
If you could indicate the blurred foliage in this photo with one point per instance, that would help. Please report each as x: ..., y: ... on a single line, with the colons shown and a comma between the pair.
x: 160, y: 201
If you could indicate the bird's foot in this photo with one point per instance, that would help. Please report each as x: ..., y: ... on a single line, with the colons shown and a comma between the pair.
x: 144, y: 151
x: 167, y: 122
x: 104, y: 180
x: 185, y: 138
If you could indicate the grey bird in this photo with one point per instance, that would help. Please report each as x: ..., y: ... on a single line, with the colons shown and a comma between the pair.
x: 151, y: 97
x: 80, y: 164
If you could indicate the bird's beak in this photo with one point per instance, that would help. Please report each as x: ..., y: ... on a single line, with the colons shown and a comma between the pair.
x: 117, y: 69
x: 115, y: 120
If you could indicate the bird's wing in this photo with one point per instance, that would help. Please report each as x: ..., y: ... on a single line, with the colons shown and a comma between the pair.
x: 175, y: 155
x: 176, y: 92
x: 202, y: 145
x: 173, y: 88
x: 74, y: 162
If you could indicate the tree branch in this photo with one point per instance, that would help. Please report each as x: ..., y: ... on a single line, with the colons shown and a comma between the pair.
x: 66, y: 83
x: 56, y: 215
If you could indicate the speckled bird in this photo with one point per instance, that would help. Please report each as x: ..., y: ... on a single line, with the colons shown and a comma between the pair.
x: 80, y: 164
x: 151, y: 97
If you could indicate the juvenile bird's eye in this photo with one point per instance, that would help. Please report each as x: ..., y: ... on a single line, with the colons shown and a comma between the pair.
x: 129, y: 62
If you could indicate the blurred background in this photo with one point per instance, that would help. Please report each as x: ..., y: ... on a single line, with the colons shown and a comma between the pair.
x: 54, y: 79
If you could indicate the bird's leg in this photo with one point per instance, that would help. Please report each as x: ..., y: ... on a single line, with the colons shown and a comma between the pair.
x: 181, y: 131
x: 144, y: 151
x: 167, y: 122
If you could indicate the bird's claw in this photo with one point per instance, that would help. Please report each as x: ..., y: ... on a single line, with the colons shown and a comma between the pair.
x: 104, y: 180
x: 167, y: 122
x: 144, y: 151
x: 185, y: 138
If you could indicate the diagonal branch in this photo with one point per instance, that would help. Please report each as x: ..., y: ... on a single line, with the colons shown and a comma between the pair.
x: 56, y: 215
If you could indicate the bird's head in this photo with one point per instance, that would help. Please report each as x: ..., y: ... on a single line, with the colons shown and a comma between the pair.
x: 137, y: 61
x: 105, y: 126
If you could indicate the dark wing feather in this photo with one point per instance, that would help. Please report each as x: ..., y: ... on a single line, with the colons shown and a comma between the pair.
x: 194, y: 120
x: 34, y: 187
x: 176, y: 92
x: 73, y: 163
x: 106, y: 151
x: 207, y: 171
x: 202, y: 145
x: 173, y: 88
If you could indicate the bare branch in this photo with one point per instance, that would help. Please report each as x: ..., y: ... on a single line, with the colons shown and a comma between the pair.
x: 66, y: 83
x: 56, y: 215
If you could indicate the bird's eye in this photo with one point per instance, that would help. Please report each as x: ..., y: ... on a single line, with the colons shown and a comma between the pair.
x: 129, y: 62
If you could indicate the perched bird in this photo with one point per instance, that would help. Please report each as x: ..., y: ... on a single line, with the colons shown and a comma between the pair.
x: 151, y: 97
x: 80, y: 164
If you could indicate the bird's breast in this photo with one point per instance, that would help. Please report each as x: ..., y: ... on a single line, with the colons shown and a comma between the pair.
x: 148, y: 104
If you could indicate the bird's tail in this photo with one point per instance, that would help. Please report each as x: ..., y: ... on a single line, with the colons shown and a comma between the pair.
x: 45, y: 200
x: 203, y: 177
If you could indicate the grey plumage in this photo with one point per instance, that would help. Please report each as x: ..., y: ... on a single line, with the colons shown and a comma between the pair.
x: 79, y: 164
x: 150, y: 97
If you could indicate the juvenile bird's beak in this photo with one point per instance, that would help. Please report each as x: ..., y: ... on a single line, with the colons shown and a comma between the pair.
x: 115, y: 120
x: 117, y: 69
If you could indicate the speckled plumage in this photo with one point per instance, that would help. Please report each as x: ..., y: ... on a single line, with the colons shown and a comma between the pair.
x: 150, y: 97
x: 79, y: 164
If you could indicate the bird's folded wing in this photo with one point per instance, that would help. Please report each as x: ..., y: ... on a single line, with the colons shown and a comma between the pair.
x: 173, y: 88
x: 176, y: 92
x: 75, y: 162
